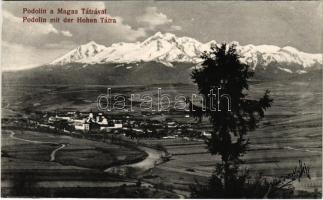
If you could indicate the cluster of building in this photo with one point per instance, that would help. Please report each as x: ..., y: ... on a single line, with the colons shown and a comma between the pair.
x: 144, y: 125
x: 90, y: 122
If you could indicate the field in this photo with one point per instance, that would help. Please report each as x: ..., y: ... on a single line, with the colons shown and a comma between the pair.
x: 46, y: 161
x: 291, y: 131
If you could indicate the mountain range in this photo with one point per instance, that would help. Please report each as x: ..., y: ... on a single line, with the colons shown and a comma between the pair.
x: 163, y: 58
x: 167, y: 49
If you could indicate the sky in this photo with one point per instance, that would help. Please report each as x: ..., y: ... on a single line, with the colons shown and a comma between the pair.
x: 292, y: 23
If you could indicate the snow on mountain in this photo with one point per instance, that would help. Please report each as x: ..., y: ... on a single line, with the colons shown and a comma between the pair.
x: 164, y: 48
x: 168, y: 49
x: 80, y: 54
x: 266, y: 55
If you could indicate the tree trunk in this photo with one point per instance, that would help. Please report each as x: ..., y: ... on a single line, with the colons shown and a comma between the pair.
x: 226, y: 175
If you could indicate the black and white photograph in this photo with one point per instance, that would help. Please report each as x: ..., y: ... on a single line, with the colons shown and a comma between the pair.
x: 161, y: 99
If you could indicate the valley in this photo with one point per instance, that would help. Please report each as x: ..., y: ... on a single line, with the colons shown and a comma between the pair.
x: 290, y: 132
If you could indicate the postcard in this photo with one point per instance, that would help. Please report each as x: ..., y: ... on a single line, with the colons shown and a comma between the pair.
x: 161, y: 99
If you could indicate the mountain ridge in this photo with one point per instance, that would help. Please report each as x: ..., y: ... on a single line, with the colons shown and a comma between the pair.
x: 162, y: 58
x: 167, y: 49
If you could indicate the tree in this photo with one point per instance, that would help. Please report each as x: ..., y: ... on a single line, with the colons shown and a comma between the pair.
x: 234, y: 116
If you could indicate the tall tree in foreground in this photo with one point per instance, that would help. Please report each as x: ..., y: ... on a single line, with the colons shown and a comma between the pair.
x: 234, y: 116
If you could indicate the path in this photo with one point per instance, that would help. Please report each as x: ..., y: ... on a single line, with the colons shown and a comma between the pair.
x: 52, y: 155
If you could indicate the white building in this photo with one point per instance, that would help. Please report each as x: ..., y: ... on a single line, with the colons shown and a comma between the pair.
x: 69, y: 119
x: 80, y: 124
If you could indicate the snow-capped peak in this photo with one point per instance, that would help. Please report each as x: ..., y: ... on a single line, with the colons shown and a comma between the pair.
x: 80, y: 54
x: 164, y: 48
x: 167, y: 48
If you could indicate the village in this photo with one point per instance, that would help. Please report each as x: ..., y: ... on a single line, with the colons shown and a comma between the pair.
x: 161, y: 125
